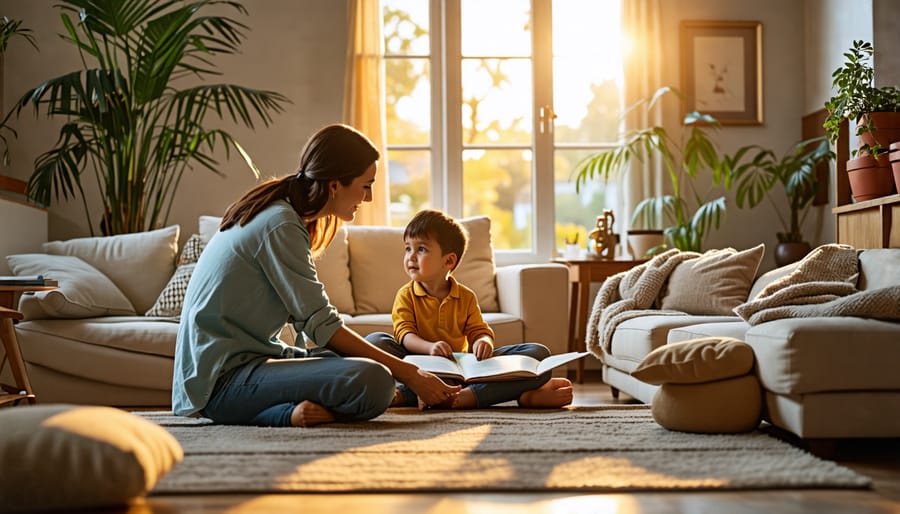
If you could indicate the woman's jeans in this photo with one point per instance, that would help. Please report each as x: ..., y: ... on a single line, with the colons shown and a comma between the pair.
x: 486, y: 393
x: 265, y: 391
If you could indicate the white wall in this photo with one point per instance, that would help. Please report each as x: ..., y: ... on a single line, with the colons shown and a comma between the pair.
x: 295, y: 47
x: 783, y: 92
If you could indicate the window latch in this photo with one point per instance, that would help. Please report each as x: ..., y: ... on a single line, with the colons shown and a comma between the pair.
x: 546, y: 117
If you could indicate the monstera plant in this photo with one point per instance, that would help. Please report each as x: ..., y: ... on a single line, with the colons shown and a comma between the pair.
x: 133, y: 123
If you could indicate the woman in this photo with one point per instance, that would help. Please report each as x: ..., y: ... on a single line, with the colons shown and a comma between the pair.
x: 256, y: 274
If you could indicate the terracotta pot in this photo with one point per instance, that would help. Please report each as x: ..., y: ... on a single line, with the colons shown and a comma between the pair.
x: 787, y: 253
x: 895, y: 163
x: 888, y: 129
x: 870, y: 178
x: 642, y: 241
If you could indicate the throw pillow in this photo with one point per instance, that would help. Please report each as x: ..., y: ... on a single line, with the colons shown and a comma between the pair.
x: 714, y: 283
x: 139, y: 264
x: 83, y: 292
x: 171, y: 298
x: 79, y: 457
x: 207, y: 227
x: 697, y: 360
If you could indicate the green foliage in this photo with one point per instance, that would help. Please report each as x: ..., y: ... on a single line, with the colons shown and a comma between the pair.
x: 795, y: 175
x: 689, y: 214
x: 8, y: 30
x: 857, y: 95
x: 126, y: 119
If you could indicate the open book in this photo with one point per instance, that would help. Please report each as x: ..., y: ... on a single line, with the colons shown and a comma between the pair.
x: 467, y: 368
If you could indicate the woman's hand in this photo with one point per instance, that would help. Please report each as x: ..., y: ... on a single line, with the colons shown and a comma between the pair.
x: 430, y: 389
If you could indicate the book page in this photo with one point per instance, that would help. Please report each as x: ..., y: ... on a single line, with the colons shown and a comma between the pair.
x: 440, y: 366
x: 558, y: 360
x: 501, y: 367
x: 511, y: 367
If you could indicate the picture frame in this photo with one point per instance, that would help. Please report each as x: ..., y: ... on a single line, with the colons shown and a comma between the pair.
x: 721, y: 70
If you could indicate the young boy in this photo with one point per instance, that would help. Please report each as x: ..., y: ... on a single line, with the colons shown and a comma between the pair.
x: 434, y: 314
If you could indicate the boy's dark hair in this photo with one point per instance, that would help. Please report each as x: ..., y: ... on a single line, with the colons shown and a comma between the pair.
x: 438, y: 226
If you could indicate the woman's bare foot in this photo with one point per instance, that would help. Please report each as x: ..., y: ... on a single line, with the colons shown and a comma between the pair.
x: 557, y: 392
x: 309, y: 414
x: 398, y: 398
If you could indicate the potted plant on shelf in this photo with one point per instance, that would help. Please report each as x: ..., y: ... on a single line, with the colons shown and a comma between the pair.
x: 692, y: 210
x: 9, y: 29
x: 128, y: 120
x: 876, y: 111
x: 794, y: 175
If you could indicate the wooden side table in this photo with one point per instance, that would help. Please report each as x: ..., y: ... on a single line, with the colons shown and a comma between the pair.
x: 9, y: 300
x: 582, y: 272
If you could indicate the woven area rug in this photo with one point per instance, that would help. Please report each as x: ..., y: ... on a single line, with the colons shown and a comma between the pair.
x: 596, y: 449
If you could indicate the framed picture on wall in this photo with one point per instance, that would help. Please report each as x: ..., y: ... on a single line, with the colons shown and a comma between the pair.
x: 721, y: 70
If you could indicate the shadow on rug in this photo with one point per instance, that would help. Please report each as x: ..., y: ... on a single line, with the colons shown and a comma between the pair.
x: 594, y: 449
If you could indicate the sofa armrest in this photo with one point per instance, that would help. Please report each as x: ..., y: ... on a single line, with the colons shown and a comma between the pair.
x: 538, y: 295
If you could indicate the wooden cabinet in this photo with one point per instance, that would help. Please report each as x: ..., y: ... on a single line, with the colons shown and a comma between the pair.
x: 871, y: 224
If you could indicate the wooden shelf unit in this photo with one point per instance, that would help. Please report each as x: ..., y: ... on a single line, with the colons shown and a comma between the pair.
x: 870, y: 224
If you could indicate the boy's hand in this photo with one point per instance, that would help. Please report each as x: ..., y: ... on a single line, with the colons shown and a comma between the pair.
x: 482, y: 349
x: 442, y: 349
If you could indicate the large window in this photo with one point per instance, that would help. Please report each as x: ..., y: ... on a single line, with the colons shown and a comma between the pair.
x: 490, y: 104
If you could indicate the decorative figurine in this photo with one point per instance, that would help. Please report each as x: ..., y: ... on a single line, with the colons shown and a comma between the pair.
x: 604, y: 239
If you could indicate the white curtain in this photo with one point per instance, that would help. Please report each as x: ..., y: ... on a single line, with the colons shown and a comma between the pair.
x: 643, y: 75
x: 364, y: 98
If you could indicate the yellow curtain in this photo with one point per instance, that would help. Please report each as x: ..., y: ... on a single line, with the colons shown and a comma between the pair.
x: 364, y: 98
x: 643, y: 75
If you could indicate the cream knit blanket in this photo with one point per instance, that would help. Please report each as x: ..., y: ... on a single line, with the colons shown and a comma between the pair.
x: 630, y: 294
x: 822, y: 285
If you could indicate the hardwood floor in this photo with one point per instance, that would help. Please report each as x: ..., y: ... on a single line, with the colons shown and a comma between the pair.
x: 878, y: 459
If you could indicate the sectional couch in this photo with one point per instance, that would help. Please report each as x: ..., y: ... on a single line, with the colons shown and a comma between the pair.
x: 92, y: 342
x: 827, y: 371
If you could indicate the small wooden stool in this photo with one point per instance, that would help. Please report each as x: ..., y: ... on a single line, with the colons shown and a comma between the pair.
x: 21, y: 390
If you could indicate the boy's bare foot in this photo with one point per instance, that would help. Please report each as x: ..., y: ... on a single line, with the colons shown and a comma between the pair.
x: 309, y: 414
x: 464, y: 399
x: 557, y: 392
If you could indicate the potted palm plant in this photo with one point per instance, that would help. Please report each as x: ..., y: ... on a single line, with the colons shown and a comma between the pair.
x: 793, y: 174
x: 876, y: 111
x: 9, y: 29
x: 131, y: 123
x: 689, y: 214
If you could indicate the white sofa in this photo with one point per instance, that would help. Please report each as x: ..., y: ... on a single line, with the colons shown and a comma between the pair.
x: 89, y: 342
x: 822, y: 377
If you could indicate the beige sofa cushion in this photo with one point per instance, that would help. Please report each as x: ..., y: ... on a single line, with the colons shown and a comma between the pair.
x: 77, y: 457
x: 83, y: 291
x: 696, y: 361
x: 714, y: 283
x: 138, y: 264
x: 333, y: 270
x: 879, y: 267
x: 376, y: 266
x: 768, y: 277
